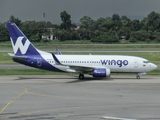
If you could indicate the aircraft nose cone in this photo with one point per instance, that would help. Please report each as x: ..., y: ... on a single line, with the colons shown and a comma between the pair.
x: 153, y: 66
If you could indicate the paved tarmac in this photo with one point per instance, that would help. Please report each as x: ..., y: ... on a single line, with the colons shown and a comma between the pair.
x: 53, y: 97
x: 14, y: 66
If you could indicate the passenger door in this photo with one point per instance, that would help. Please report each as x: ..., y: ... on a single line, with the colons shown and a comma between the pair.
x: 39, y: 62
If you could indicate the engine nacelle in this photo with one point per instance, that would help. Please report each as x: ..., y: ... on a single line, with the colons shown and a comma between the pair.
x: 101, y: 72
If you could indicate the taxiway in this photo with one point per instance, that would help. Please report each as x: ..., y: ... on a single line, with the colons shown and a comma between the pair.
x: 53, y: 97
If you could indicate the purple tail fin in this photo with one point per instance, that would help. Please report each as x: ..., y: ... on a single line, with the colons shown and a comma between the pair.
x: 20, y: 43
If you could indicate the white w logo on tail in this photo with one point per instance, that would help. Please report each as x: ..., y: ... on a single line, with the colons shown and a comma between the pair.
x: 19, y: 44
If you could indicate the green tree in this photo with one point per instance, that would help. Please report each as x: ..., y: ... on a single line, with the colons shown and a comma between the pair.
x: 104, y: 24
x: 4, y: 36
x: 34, y: 30
x: 106, y: 38
x: 126, y: 22
x: 86, y: 22
x: 125, y: 28
x: 132, y: 39
x: 115, y: 17
x: 124, y: 18
x: 135, y: 25
x: 74, y: 35
x: 15, y: 20
x: 66, y: 20
x: 151, y: 22
x: 87, y: 28
x: 144, y: 24
x: 139, y: 35
x: 154, y: 20
x: 63, y: 35
x: 85, y: 34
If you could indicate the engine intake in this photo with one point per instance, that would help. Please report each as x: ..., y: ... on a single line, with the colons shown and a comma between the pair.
x: 101, y: 72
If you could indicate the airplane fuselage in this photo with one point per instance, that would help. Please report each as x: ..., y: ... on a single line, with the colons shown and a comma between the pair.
x: 116, y: 63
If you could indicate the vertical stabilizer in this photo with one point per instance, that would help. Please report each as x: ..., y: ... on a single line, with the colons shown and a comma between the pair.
x: 20, y: 43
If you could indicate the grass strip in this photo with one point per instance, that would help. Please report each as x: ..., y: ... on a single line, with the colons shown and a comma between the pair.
x: 78, y: 45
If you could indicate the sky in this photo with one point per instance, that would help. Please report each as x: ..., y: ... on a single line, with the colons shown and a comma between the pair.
x: 28, y: 10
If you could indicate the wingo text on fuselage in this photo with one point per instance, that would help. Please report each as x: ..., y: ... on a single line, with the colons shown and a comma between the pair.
x: 120, y: 63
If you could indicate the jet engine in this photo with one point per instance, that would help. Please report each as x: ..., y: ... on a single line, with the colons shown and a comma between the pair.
x: 101, y: 72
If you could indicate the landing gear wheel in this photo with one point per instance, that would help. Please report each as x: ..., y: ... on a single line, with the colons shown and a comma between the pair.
x: 81, y: 76
x: 138, y: 77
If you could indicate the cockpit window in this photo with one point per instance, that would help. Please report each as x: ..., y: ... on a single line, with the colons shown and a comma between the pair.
x: 145, y: 61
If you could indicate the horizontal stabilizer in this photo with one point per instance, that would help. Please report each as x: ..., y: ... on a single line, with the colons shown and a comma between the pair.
x: 18, y: 57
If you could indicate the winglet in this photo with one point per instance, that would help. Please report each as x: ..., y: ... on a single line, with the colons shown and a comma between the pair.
x: 58, y: 51
x: 56, y: 60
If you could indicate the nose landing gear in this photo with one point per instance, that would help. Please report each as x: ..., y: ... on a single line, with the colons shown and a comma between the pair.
x: 138, y: 75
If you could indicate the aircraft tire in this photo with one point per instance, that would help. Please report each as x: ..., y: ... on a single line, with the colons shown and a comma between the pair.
x: 138, y: 77
x: 81, y: 76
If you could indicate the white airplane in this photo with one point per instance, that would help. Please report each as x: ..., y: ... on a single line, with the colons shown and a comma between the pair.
x: 95, y: 65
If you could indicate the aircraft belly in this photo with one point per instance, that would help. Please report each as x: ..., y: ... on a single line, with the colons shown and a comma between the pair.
x: 121, y: 70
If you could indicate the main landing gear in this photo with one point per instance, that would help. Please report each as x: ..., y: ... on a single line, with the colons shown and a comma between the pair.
x: 81, y: 76
x: 138, y: 76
